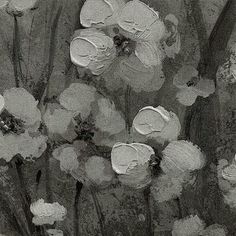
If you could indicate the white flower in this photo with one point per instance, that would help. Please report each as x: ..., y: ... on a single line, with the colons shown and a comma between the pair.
x: 124, y: 157
x: 57, y: 120
x: 2, y: 103
x: 47, y: 213
x: 100, y: 13
x: 78, y: 98
x: 131, y: 162
x: 22, y: 105
x: 180, y: 156
x: 67, y: 156
x: 25, y: 145
x: 54, y: 232
x: 139, y: 77
x: 157, y: 123
x: 189, y: 226
x: 190, y: 86
x: 108, y: 119
x: 165, y: 188
x: 99, y: 170
x: 214, y: 230
x: 92, y: 49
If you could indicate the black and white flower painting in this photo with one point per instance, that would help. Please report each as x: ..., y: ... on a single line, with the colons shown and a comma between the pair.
x: 117, y: 117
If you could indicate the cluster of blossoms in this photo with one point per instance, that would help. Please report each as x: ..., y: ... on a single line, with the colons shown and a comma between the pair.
x: 117, y: 41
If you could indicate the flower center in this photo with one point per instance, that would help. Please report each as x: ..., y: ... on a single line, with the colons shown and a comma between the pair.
x: 124, y: 46
x: 10, y: 124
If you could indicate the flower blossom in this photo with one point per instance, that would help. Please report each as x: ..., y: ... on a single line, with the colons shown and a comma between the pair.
x: 191, y: 86
x: 47, y: 213
x: 20, y: 120
x: 157, y: 123
x: 115, y: 33
x: 181, y: 156
x: 189, y: 226
x: 131, y: 162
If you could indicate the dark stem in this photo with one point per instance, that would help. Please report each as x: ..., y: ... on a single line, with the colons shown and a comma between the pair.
x: 146, y: 194
x: 100, y: 215
x: 16, y: 54
x: 127, y: 107
x: 179, y: 207
x: 79, y: 187
x: 47, y: 156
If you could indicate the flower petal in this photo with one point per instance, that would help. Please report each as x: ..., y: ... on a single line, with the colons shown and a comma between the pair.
x: 57, y: 120
x: 100, y: 13
x: 148, y: 53
x: 3, y: 3
x: 92, y: 49
x: 147, y: 27
x: 186, y: 97
x: 138, y: 177
x: 165, y: 188
x: 21, y: 104
x: 2, y: 103
x: 108, y: 119
x: 20, y: 6
x: 139, y: 77
x: 99, y: 170
x: 204, y: 87
x: 125, y: 157
x: 180, y: 156
x: 191, y: 225
x: 67, y: 157
x: 150, y: 119
x: 78, y: 98
x: 184, y: 75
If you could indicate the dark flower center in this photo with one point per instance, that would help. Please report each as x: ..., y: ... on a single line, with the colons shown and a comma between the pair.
x: 10, y: 124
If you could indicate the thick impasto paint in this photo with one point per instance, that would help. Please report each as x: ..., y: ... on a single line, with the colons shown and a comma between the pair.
x: 117, y: 117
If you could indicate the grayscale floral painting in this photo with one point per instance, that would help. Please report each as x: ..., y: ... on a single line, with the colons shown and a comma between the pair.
x: 117, y: 117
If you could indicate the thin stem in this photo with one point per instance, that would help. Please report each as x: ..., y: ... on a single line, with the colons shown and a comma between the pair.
x: 127, y: 107
x: 98, y: 211
x: 79, y: 187
x: 146, y: 194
